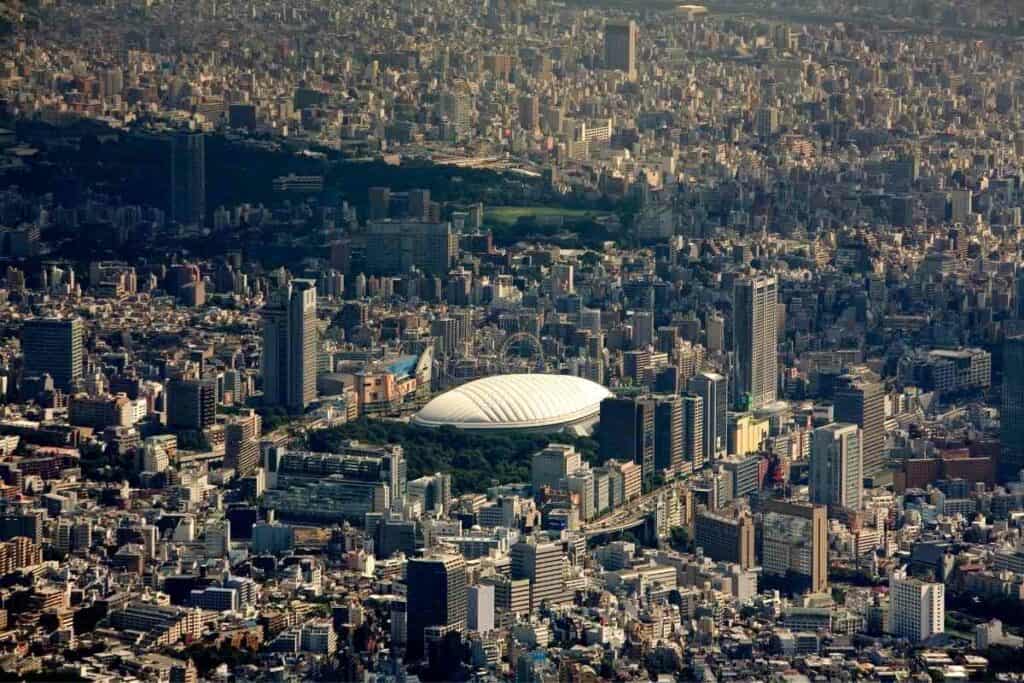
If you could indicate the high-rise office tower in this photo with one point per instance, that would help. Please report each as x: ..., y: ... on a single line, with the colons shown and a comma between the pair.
x: 553, y: 464
x: 620, y: 47
x: 836, y: 466
x: 436, y: 588
x: 590, y: 319
x: 447, y: 332
x: 668, y: 433
x: 744, y: 474
x: 399, y: 626
x: 529, y: 113
x: 466, y: 319
x: 694, y: 438
x: 185, y: 672
x: 794, y: 547
x: 188, y: 178
x: 541, y: 564
x: 595, y: 346
x: 960, y: 205
x: 667, y: 380
x: 603, y: 484
x: 554, y: 118
x: 627, y: 431
x: 581, y: 485
x: 53, y: 346
x: 510, y: 596
x: 419, y: 204
x: 434, y: 491
x: 191, y: 404
x: 217, y: 538
x: 562, y: 279
x: 917, y: 609
x: 667, y: 338
x: 726, y: 538
x: 290, y: 346
x: 636, y: 365
x: 457, y: 288
x: 689, y: 358
x: 755, y: 337
x: 766, y: 121
x: 481, y: 608
x: 783, y: 37
x: 1011, y: 414
x: 861, y: 401
x: 380, y: 203
x: 643, y: 329
x: 354, y: 314
x: 689, y: 329
x: 713, y: 389
x: 714, y: 333
x: 242, y: 447
x: 1018, y: 295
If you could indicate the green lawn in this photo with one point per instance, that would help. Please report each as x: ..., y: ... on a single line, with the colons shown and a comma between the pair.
x: 509, y: 215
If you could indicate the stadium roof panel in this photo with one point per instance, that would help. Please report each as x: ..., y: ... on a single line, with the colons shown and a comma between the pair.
x: 515, y: 402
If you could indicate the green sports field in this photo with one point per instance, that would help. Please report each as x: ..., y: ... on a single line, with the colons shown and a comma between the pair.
x: 509, y: 215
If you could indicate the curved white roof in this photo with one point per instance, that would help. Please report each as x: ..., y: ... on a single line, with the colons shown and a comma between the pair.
x: 514, y: 402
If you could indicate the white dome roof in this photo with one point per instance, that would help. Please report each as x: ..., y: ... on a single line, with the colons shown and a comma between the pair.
x: 514, y: 402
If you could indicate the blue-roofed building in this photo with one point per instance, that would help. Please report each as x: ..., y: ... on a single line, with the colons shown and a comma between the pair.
x: 387, y: 387
x: 403, y: 366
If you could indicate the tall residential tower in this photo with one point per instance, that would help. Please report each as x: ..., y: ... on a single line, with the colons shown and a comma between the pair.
x: 755, y: 336
x: 290, y: 346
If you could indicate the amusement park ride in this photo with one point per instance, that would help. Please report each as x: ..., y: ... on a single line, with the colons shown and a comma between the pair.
x: 516, y: 353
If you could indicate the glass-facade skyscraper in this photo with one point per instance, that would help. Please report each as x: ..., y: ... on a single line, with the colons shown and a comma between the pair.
x: 437, y: 595
x: 53, y: 346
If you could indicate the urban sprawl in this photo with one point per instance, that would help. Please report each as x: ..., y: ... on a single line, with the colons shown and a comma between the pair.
x: 492, y: 340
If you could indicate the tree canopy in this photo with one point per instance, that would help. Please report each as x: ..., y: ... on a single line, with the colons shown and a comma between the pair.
x: 475, y: 461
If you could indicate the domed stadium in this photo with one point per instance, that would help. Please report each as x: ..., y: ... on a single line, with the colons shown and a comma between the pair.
x: 528, y: 402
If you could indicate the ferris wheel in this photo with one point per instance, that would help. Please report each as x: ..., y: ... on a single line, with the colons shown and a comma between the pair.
x: 522, y: 352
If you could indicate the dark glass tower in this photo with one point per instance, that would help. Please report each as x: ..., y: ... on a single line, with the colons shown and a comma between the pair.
x: 437, y: 596
x: 627, y: 431
x: 1011, y: 414
x: 861, y: 402
x: 53, y: 346
x: 188, y: 178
